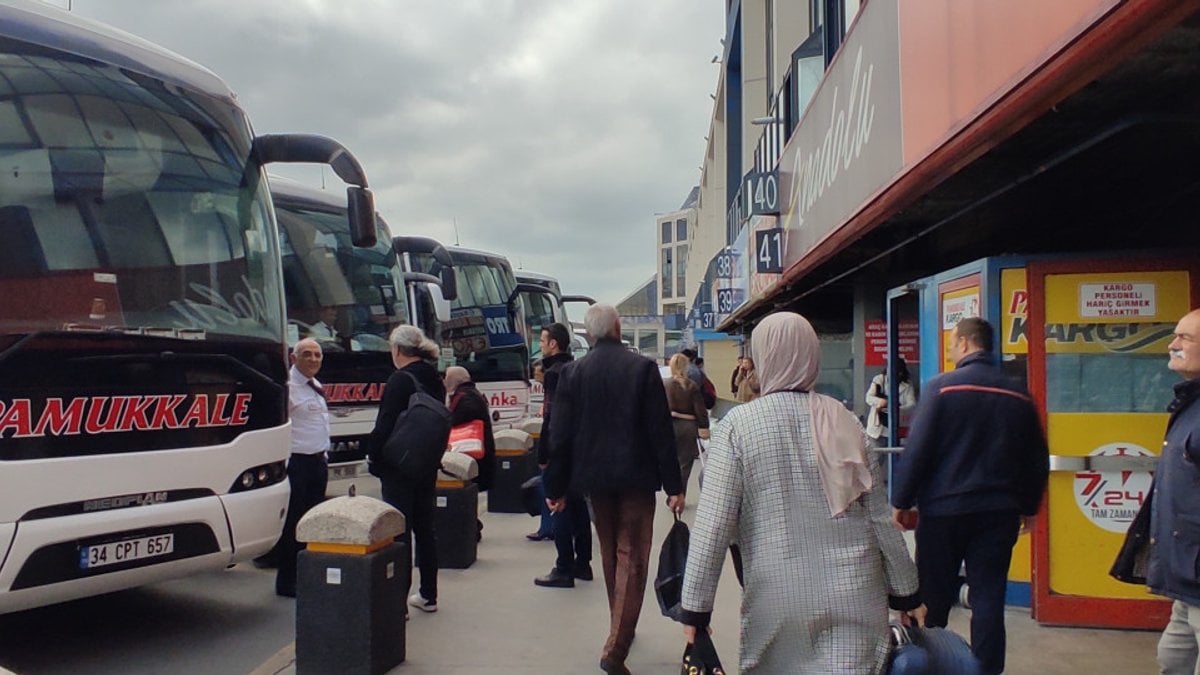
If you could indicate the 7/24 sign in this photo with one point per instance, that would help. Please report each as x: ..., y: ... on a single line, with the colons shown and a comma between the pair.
x: 768, y: 251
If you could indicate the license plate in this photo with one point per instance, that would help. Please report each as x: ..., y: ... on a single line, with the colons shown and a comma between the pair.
x: 113, y: 552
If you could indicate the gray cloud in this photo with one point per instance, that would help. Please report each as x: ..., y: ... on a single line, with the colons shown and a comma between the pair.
x: 551, y: 132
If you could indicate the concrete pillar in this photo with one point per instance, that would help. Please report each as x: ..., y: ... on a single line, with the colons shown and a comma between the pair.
x: 351, y: 582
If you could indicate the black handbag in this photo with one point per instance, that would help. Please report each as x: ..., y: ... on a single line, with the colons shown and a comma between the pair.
x: 930, y: 651
x: 700, y: 657
x: 672, y: 562
x: 531, y: 496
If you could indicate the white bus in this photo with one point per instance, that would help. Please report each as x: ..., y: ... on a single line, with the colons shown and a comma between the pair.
x: 348, y: 298
x: 485, y: 332
x: 545, y: 304
x: 143, y: 400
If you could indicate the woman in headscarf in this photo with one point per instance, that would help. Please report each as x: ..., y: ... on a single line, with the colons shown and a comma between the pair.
x: 467, y: 404
x: 789, y: 478
x: 688, y: 415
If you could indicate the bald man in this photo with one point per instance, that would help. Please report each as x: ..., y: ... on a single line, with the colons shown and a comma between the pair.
x: 1175, y: 508
x: 307, y: 470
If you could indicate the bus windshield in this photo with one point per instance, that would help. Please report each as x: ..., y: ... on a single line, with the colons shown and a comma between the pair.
x: 348, y: 298
x: 127, y: 206
x: 485, y: 337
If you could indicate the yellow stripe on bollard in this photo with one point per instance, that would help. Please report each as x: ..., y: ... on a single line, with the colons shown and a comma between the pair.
x: 347, y: 549
x: 451, y: 484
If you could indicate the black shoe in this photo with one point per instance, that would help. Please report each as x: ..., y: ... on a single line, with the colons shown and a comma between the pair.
x: 556, y: 579
x: 285, y: 591
x: 613, y: 668
x: 538, y: 536
x: 584, y: 572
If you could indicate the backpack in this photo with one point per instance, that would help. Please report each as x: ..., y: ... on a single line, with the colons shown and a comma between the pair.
x: 419, y: 437
x: 709, y: 393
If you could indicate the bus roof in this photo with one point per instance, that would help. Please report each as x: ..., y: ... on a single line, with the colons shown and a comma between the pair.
x: 459, y: 253
x: 294, y: 192
x: 47, y: 26
x: 535, y: 277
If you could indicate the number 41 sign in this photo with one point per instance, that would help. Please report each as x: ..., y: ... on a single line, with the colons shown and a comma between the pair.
x: 768, y: 251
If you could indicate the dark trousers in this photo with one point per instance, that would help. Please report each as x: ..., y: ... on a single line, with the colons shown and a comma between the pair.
x: 416, y: 500
x: 625, y: 529
x: 985, y: 542
x: 573, y: 536
x: 307, y: 477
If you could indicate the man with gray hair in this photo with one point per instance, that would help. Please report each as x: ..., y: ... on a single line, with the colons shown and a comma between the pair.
x: 612, y: 442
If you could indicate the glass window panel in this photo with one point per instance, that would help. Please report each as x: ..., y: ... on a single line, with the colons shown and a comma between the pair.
x: 667, y: 274
x: 666, y: 232
x: 681, y: 230
x: 56, y: 121
x: 64, y: 237
x: 681, y: 256
x: 12, y: 129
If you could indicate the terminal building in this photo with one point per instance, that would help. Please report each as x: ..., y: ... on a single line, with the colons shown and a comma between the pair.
x: 889, y: 167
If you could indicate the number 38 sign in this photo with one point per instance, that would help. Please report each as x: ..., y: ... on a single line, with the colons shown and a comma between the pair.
x: 768, y: 251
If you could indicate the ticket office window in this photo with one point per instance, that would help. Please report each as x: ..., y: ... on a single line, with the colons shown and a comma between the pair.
x: 1109, y: 382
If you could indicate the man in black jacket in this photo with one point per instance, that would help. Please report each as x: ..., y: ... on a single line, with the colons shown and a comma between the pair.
x: 572, y: 527
x: 1175, y: 507
x: 976, y: 464
x: 612, y: 441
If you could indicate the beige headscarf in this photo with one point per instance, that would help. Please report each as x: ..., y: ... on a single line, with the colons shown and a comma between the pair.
x: 788, y: 356
x: 455, y: 375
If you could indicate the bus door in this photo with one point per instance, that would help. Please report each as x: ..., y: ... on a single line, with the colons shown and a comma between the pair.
x: 1098, y: 332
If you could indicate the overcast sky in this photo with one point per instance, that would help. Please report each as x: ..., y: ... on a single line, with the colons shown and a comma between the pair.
x: 552, y: 131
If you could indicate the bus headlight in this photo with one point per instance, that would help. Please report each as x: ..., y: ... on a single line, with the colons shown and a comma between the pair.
x: 260, y: 477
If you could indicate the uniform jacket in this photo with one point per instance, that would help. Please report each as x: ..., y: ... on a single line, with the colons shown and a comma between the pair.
x: 1175, y: 509
x: 975, y: 445
x: 612, y: 429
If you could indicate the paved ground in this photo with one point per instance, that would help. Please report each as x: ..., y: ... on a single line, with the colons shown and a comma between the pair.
x: 492, y: 619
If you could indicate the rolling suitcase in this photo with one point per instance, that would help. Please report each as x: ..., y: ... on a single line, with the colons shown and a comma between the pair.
x: 930, y: 651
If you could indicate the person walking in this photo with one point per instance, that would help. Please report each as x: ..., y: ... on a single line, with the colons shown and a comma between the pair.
x: 790, y: 477
x: 1175, y: 506
x: 878, y: 424
x: 612, y: 442
x: 573, y: 526
x: 975, y: 463
x: 689, y: 417
x: 307, y: 470
x: 414, y: 496
x: 747, y: 387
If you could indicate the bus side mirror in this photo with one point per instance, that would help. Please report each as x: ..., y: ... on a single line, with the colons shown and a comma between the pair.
x: 449, y: 283
x: 360, y: 210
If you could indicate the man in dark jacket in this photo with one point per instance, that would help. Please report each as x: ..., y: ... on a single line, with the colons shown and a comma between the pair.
x: 976, y: 464
x: 572, y: 527
x: 1175, y: 507
x: 612, y: 441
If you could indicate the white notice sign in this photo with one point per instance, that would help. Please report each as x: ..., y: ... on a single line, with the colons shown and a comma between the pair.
x: 1117, y: 300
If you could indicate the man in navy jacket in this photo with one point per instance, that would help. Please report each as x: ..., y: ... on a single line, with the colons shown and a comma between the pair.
x: 612, y: 442
x: 976, y: 464
x: 1175, y: 507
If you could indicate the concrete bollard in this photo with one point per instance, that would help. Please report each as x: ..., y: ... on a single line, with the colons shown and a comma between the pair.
x: 456, y: 519
x: 515, y: 464
x: 533, y: 427
x: 351, y: 582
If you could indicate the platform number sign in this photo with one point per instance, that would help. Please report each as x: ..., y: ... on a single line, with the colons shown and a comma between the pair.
x: 725, y: 266
x: 762, y: 193
x: 726, y: 302
x: 708, y: 320
x: 768, y: 247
